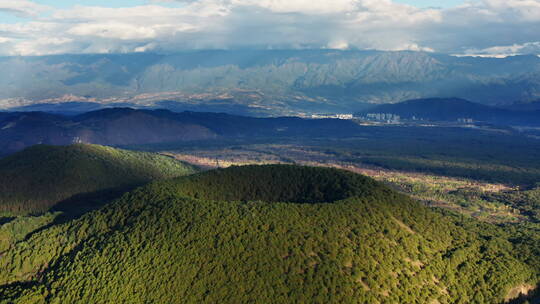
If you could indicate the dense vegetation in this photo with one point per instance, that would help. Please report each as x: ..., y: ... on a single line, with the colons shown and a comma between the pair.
x: 161, y: 244
x: 288, y: 184
x: 528, y: 202
x: 494, y: 156
x: 17, y: 229
x: 34, y: 180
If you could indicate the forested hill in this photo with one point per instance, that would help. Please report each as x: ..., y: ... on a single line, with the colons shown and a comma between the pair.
x: 453, y: 109
x: 279, y: 234
x: 38, y: 178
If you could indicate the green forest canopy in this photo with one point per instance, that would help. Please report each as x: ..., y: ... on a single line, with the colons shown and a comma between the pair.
x: 230, y: 236
x: 34, y: 180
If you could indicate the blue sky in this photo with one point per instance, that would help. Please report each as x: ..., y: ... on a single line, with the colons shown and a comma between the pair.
x: 432, y: 3
x: 104, y: 3
x: 110, y: 3
x: 126, y: 3
x: 65, y: 4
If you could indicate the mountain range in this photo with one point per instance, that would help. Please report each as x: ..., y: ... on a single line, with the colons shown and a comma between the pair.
x: 266, y: 82
x: 128, y: 126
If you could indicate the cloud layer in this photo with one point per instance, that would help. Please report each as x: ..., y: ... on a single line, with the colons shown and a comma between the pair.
x: 488, y: 27
x: 22, y: 8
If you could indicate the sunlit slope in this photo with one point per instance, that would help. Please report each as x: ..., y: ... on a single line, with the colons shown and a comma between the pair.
x: 37, y: 178
x: 340, y: 238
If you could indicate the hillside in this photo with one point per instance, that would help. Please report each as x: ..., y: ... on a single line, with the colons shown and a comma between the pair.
x: 532, y: 105
x: 121, y: 126
x: 36, y: 179
x: 452, y: 109
x: 267, y: 234
x: 265, y: 81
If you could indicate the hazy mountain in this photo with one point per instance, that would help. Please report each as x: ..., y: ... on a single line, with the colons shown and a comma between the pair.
x: 533, y: 105
x: 64, y: 108
x: 452, y: 109
x: 126, y: 126
x: 107, y: 127
x: 265, y: 234
x: 267, y: 82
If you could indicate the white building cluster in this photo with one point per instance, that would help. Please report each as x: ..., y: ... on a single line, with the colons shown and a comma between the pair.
x: 334, y: 116
x: 465, y: 120
x: 383, y: 117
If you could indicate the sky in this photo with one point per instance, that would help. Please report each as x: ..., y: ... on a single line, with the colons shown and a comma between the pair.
x: 460, y: 27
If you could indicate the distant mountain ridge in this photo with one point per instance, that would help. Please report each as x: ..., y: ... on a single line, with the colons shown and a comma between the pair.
x: 267, y: 81
x: 525, y: 106
x: 20, y: 130
x: 126, y: 126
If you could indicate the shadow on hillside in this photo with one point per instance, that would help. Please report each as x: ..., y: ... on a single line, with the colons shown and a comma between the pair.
x: 80, y: 204
x: 5, y: 220
x: 12, y: 291
x: 532, y: 297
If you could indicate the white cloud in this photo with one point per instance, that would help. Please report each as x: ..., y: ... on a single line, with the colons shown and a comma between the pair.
x: 42, y: 46
x: 145, y: 48
x: 22, y: 8
x: 127, y: 31
x: 482, y: 26
x: 526, y: 10
x: 506, y: 50
x: 300, y: 6
x: 338, y: 45
x: 412, y: 47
